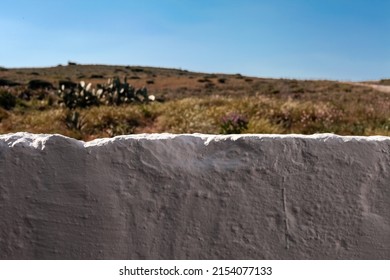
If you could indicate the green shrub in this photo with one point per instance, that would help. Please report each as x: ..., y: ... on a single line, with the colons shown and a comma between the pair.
x: 74, y: 120
x: 113, y: 126
x: 7, y: 100
x: 233, y: 124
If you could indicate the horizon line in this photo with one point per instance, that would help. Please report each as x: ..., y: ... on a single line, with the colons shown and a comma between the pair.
x: 191, y: 71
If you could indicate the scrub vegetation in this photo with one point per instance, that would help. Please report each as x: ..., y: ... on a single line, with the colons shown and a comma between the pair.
x: 156, y: 100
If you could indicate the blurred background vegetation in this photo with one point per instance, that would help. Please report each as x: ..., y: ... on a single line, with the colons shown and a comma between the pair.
x: 156, y: 100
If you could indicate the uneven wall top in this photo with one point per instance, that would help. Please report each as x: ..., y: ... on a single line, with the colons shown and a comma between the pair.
x: 165, y: 196
x: 39, y: 140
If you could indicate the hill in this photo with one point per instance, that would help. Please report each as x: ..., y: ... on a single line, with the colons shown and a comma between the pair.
x: 188, y: 102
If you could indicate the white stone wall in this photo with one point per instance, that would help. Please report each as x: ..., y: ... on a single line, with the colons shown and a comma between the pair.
x: 195, y: 197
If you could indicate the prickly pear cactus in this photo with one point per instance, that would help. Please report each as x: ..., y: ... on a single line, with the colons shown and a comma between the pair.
x: 81, y: 96
x: 114, y: 92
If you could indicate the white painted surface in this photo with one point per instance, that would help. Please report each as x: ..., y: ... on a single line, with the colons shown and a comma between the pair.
x: 163, y: 196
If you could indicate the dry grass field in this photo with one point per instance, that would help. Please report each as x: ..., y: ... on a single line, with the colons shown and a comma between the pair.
x: 188, y: 102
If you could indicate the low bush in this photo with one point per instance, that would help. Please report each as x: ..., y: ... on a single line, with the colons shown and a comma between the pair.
x: 233, y: 123
x: 385, y: 82
x: 74, y: 120
x: 39, y: 84
x: 3, y: 114
x: 8, y: 83
x: 7, y: 100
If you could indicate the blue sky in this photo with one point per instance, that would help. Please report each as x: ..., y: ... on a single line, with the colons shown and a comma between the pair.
x: 304, y: 39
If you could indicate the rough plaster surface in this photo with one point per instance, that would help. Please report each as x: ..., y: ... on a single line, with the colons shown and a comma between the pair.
x: 195, y: 197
